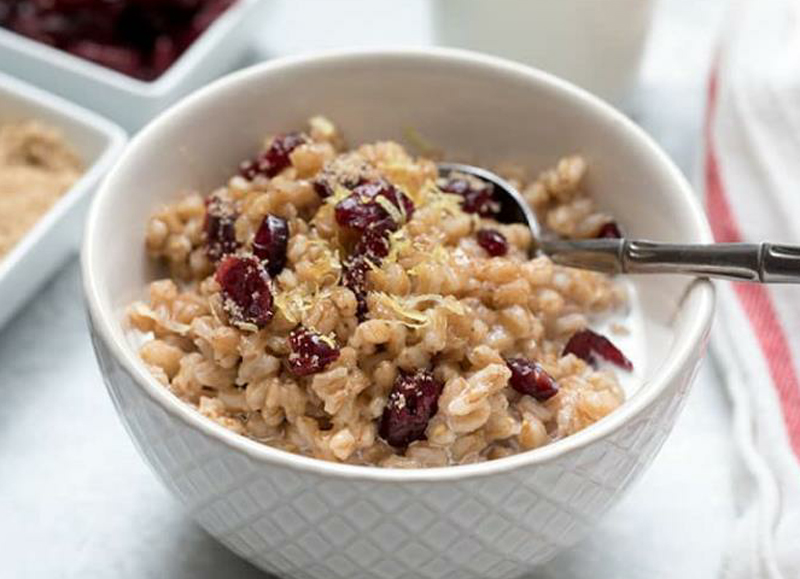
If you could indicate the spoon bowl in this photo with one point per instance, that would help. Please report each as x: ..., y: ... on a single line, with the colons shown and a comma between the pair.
x: 757, y: 262
x: 513, y: 208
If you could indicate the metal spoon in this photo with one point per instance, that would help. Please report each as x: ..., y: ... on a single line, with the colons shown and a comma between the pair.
x: 757, y: 262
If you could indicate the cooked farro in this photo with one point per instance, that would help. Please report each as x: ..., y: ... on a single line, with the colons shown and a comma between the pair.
x: 389, y: 337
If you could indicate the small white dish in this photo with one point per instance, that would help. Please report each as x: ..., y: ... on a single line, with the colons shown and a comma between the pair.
x: 596, y: 45
x: 306, y: 518
x: 57, y: 233
x: 124, y: 99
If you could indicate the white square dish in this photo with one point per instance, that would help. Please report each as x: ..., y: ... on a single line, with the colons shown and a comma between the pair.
x: 56, y: 235
x: 126, y: 100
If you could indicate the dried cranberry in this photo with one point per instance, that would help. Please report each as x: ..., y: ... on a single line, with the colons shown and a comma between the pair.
x: 245, y: 290
x: 164, y: 54
x: 493, y: 242
x: 311, y: 352
x: 270, y: 243
x: 357, y: 213
x: 354, y: 278
x: 374, y: 241
x: 141, y: 38
x: 585, y: 344
x: 275, y: 159
x: 382, y: 188
x: 122, y: 59
x: 610, y: 231
x: 211, y: 10
x: 413, y: 401
x: 220, y: 233
x: 60, y: 28
x: 477, y: 198
x: 27, y: 22
x: 7, y: 10
x: 362, y: 209
x: 528, y: 377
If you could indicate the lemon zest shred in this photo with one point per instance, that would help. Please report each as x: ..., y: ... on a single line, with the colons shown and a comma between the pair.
x: 419, y: 144
x: 402, y: 207
x: 398, y: 241
x: 476, y: 221
x: 328, y: 265
x: 339, y: 193
x: 448, y: 302
x: 328, y: 262
x: 448, y: 202
x: 404, y: 307
x: 408, y: 316
x: 391, y: 209
x: 328, y: 339
x: 293, y: 303
x: 433, y: 197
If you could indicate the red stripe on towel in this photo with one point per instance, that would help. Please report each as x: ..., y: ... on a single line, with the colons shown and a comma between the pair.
x: 755, y: 299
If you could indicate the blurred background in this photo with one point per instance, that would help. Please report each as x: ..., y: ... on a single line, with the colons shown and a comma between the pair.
x: 87, y: 506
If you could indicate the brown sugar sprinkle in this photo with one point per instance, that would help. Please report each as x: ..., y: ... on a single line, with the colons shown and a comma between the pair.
x: 396, y: 332
x: 219, y: 226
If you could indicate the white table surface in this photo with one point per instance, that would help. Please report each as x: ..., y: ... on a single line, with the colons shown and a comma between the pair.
x: 76, y: 500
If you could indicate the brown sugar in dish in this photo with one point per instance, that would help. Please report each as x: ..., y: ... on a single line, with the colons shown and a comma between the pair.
x: 37, y: 166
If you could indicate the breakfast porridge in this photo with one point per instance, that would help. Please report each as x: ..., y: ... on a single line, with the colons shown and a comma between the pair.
x: 37, y: 166
x: 350, y: 304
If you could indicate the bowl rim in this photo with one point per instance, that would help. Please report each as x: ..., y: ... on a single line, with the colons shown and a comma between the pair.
x: 156, y: 88
x: 104, y: 322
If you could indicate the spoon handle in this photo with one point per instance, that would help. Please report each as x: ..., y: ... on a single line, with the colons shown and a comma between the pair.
x: 756, y: 262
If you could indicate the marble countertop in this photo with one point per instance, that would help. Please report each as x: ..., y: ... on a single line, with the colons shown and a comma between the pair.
x: 76, y: 500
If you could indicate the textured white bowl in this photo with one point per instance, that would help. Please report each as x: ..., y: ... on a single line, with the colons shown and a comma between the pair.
x: 57, y: 233
x: 301, y: 517
x: 127, y: 100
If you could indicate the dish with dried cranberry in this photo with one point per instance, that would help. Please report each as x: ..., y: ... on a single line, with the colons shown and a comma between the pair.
x: 139, y: 38
x: 350, y: 305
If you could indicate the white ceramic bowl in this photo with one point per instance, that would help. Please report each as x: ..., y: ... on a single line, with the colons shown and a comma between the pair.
x: 302, y: 517
x: 596, y: 45
x: 129, y: 101
x: 57, y: 234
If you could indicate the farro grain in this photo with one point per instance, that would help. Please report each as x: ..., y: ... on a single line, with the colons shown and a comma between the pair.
x: 436, y: 302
